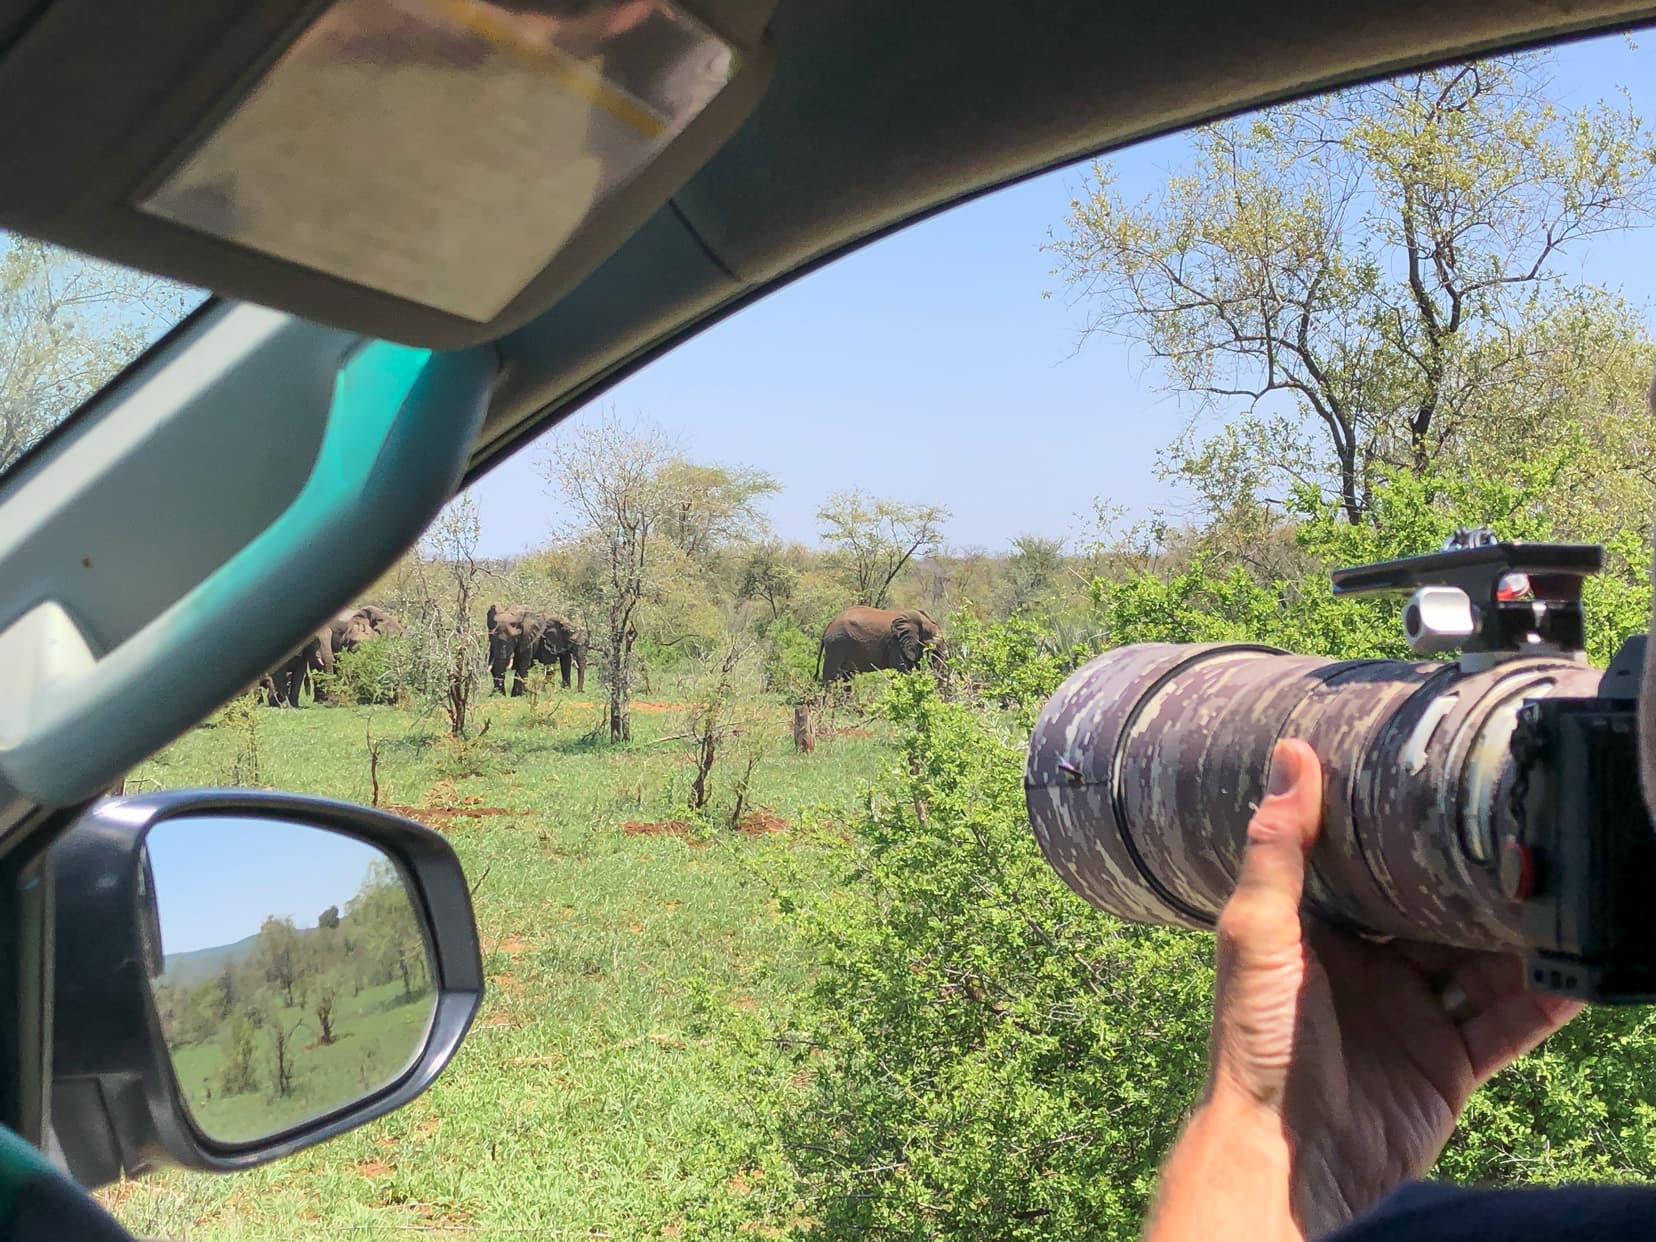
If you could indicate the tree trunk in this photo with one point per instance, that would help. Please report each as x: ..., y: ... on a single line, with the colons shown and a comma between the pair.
x: 1350, y: 501
x: 704, y: 766
x: 804, y: 729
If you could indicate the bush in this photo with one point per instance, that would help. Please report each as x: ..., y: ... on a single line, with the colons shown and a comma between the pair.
x: 991, y: 1056
x: 367, y: 675
x: 790, y: 660
x: 239, y: 719
x: 1015, y: 665
x: 1412, y: 514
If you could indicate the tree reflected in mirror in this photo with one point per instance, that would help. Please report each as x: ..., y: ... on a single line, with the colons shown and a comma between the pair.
x: 295, y: 976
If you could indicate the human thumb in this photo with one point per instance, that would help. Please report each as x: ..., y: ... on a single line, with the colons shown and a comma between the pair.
x: 1283, y: 828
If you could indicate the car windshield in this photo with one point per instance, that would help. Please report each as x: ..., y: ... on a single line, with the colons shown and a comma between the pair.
x: 68, y: 324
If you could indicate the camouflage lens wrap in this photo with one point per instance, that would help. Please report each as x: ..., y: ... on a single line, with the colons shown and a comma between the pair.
x: 1147, y: 764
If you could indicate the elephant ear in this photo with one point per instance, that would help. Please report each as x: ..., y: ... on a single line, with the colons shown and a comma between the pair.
x: 906, y: 630
x: 493, y: 609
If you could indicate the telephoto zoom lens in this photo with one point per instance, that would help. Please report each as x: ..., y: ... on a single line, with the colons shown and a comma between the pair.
x: 1147, y: 764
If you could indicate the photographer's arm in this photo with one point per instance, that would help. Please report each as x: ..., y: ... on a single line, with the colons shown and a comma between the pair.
x: 1338, y: 1066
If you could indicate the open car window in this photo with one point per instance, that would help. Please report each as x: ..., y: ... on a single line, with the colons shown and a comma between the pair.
x: 68, y: 324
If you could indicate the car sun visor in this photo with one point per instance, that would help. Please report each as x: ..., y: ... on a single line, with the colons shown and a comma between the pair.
x: 222, y: 497
x: 430, y: 171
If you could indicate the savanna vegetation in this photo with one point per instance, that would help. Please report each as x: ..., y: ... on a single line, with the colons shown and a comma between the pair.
x: 740, y: 986
x: 271, y: 1029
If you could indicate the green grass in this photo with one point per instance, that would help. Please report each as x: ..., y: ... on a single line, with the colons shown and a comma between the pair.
x: 375, y: 1036
x: 592, y: 1097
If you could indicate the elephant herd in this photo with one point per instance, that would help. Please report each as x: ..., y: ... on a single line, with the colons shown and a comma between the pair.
x: 346, y: 632
x: 858, y: 640
x: 519, y: 638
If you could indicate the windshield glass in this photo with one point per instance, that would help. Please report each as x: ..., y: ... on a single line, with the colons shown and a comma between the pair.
x: 67, y: 324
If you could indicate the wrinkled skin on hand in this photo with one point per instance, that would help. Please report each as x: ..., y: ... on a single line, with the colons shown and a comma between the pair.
x: 1343, y: 1043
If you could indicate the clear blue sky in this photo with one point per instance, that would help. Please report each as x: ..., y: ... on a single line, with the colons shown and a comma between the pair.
x: 217, y: 878
x: 938, y: 340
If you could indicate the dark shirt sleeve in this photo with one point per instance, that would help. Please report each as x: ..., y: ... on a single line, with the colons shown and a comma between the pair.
x: 1430, y: 1212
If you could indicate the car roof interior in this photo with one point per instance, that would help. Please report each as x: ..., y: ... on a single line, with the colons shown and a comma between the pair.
x: 877, y: 114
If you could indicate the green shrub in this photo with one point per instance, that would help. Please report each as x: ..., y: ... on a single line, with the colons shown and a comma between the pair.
x: 367, y: 675
x: 790, y: 660
x: 1014, y: 665
x: 1412, y: 514
x: 239, y: 719
x: 991, y: 1057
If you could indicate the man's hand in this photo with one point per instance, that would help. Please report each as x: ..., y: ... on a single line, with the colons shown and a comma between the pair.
x: 1338, y: 1065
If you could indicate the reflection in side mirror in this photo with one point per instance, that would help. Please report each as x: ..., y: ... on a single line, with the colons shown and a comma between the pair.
x: 240, y: 974
x: 295, y: 975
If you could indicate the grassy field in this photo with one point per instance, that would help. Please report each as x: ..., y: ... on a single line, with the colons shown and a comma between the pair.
x: 375, y: 1035
x: 593, y: 1098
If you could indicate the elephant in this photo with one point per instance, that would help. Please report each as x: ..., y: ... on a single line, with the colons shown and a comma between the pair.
x: 354, y: 626
x: 521, y: 636
x: 315, y: 655
x: 860, y: 640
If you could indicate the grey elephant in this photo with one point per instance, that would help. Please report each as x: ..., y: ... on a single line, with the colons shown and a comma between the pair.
x: 352, y: 627
x: 315, y: 655
x: 521, y: 637
x: 861, y: 640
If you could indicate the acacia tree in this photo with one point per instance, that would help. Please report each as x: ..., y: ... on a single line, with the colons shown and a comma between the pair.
x: 611, y: 476
x: 447, y: 650
x: 709, y: 508
x: 68, y: 323
x: 1374, y: 273
x: 649, y: 515
x: 280, y: 958
x: 1033, y: 570
x: 872, y: 539
x: 770, y: 575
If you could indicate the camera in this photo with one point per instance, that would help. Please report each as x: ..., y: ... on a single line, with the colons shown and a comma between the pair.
x: 1491, y: 801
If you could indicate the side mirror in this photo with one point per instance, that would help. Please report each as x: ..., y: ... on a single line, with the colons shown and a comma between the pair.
x: 243, y: 974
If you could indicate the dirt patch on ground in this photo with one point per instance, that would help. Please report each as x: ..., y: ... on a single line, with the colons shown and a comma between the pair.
x: 511, y: 946
x: 759, y: 823
x: 762, y: 824
x: 662, y: 828
x: 444, y: 818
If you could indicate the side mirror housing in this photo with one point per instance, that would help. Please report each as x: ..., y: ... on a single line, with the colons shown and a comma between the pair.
x: 243, y: 974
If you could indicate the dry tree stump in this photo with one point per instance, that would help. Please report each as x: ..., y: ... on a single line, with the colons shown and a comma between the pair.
x: 804, y: 729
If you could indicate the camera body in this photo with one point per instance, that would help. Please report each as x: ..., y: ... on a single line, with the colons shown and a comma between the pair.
x: 1492, y: 802
x: 1582, y: 858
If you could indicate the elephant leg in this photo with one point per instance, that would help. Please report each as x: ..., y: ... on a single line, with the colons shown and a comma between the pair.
x: 564, y: 661
x: 499, y: 658
x: 522, y: 661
